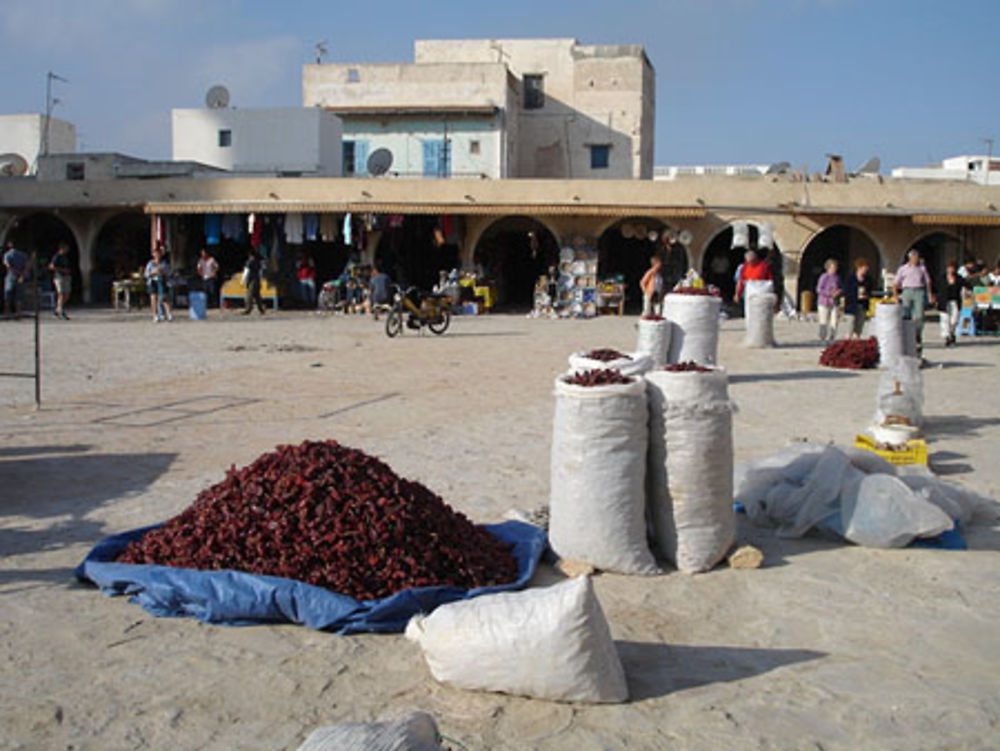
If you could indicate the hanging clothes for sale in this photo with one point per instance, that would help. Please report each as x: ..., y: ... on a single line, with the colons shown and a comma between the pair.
x: 348, y: 235
x: 160, y: 232
x: 293, y: 227
x: 328, y: 227
x: 395, y: 221
x: 213, y: 229
x: 310, y: 224
x: 232, y: 226
x: 256, y: 225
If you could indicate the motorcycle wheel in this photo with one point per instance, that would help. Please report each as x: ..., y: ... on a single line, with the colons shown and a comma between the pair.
x: 441, y: 325
x: 394, y: 323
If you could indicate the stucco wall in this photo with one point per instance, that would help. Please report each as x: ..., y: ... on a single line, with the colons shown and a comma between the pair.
x: 22, y: 134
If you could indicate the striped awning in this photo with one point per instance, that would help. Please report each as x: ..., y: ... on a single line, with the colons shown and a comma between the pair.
x: 966, y: 220
x: 380, y: 207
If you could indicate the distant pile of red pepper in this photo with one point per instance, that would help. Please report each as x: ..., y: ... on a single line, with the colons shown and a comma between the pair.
x: 686, y: 367
x: 606, y: 355
x: 597, y: 378
x: 331, y: 516
x: 855, y: 354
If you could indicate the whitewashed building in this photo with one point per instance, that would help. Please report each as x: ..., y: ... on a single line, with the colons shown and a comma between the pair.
x: 25, y: 135
x: 289, y: 141
x: 981, y: 169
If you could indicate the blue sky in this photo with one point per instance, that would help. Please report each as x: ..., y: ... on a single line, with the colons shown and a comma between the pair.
x: 912, y: 81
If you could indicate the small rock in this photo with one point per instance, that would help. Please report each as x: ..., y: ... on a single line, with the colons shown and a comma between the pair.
x: 574, y: 568
x: 746, y: 556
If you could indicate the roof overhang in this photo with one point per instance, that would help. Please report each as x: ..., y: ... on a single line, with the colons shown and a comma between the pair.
x: 961, y: 219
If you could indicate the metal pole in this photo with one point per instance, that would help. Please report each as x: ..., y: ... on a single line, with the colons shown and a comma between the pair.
x: 38, y: 338
x: 989, y: 158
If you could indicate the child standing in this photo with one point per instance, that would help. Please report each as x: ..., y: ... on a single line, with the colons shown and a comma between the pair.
x: 828, y: 293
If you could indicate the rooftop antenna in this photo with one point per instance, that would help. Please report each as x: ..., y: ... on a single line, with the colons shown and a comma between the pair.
x: 321, y: 51
x: 49, y: 104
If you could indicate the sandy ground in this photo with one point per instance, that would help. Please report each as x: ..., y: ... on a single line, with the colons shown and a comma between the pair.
x: 827, y: 647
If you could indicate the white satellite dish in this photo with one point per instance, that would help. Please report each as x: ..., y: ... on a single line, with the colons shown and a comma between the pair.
x: 13, y: 165
x: 379, y: 162
x: 217, y: 98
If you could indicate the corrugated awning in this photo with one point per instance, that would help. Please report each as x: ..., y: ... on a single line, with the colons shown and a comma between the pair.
x: 968, y: 220
x: 378, y: 207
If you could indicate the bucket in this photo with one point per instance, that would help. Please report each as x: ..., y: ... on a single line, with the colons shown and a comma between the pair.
x: 807, y: 300
x: 197, y: 303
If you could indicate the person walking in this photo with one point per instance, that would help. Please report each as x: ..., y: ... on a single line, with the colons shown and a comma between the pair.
x: 15, y: 263
x: 208, y: 272
x: 156, y: 273
x: 651, y: 285
x: 62, y: 279
x: 913, y: 287
x: 857, y: 294
x: 950, y: 303
x: 828, y: 294
x: 251, y: 279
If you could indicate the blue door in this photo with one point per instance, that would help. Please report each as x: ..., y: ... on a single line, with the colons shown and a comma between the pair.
x: 437, y: 161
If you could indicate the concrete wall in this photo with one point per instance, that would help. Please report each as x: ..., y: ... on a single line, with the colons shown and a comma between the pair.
x: 280, y: 139
x: 22, y: 134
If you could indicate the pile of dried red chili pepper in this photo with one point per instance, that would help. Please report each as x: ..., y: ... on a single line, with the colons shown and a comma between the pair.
x: 331, y: 516
x: 596, y: 378
x: 686, y: 367
x: 697, y: 291
x: 856, y: 354
x: 606, y: 355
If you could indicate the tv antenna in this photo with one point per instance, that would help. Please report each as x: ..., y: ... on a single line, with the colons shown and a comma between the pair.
x: 49, y: 104
x: 321, y: 51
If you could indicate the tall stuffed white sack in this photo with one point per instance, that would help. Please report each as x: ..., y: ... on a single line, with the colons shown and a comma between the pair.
x: 654, y: 340
x: 760, y: 320
x: 694, y: 333
x: 598, y: 471
x: 548, y: 643
x: 690, y: 473
x: 889, y: 333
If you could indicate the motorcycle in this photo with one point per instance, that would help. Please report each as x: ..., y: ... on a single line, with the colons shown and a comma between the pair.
x: 417, y: 309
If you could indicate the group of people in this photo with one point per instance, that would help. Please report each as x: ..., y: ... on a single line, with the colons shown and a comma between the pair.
x: 16, y: 272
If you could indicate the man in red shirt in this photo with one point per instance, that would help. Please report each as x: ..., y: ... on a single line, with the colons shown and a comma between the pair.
x: 754, y: 269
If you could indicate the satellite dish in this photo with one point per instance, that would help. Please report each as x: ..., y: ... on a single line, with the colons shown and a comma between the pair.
x: 379, y: 162
x: 778, y: 168
x: 217, y: 98
x: 871, y: 167
x: 13, y: 165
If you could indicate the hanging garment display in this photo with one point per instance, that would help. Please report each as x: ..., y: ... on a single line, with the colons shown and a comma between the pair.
x: 213, y: 229
x: 232, y: 226
x: 348, y: 235
x: 310, y: 224
x: 293, y: 227
x: 328, y: 227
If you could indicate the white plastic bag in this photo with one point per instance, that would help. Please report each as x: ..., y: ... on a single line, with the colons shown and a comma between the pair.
x: 690, y: 477
x: 889, y: 333
x: 654, y: 340
x: 549, y: 643
x: 598, y: 472
x: 414, y: 732
x: 760, y: 320
x: 694, y: 334
x: 634, y: 363
x: 884, y: 513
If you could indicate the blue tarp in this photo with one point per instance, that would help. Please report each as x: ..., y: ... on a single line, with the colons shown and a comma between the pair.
x: 235, y: 598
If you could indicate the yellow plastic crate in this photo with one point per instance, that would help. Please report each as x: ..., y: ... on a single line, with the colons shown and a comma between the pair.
x: 914, y: 453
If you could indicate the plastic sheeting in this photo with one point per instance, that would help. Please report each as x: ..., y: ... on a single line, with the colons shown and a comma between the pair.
x: 236, y: 598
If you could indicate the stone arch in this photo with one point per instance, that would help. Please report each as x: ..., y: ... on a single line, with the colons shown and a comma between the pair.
x: 41, y: 232
x: 120, y: 248
x: 719, y: 260
x: 844, y: 243
x: 937, y: 247
x: 625, y: 246
x: 514, y: 251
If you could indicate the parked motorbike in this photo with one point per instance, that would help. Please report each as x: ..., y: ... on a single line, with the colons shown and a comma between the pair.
x: 414, y: 309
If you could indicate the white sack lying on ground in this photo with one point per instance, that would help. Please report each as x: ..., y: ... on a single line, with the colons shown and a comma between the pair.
x: 550, y: 643
x: 414, y: 732
x: 880, y: 505
x: 635, y: 363
x: 597, y: 512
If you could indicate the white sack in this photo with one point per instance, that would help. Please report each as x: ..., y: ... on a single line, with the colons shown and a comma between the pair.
x: 760, y: 321
x: 909, y: 337
x: 755, y: 287
x: 690, y: 472
x: 906, y: 401
x: 550, y: 643
x: 598, y: 472
x: 889, y: 332
x: 694, y: 334
x: 415, y: 732
x: 654, y: 340
x: 884, y: 513
x: 754, y: 479
x: 634, y: 363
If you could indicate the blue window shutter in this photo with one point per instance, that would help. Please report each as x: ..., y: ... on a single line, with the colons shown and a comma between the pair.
x: 435, y: 163
x: 361, y: 158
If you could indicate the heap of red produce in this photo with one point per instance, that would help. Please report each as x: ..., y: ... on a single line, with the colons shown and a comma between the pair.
x: 855, y: 354
x: 606, y: 355
x: 331, y: 516
x: 597, y: 378
x: 686, y: 367
x: 698, y: 291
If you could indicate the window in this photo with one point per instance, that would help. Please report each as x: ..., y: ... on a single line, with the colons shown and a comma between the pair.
x: 347, y: 158
x: 75, y: 171
x: 534, y: 91
x: 353, y: 75
x: 354, y: 158
x: 437, y: 158
x: 225, y: 138
x: 473, y: 147
x: 600, y: 155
